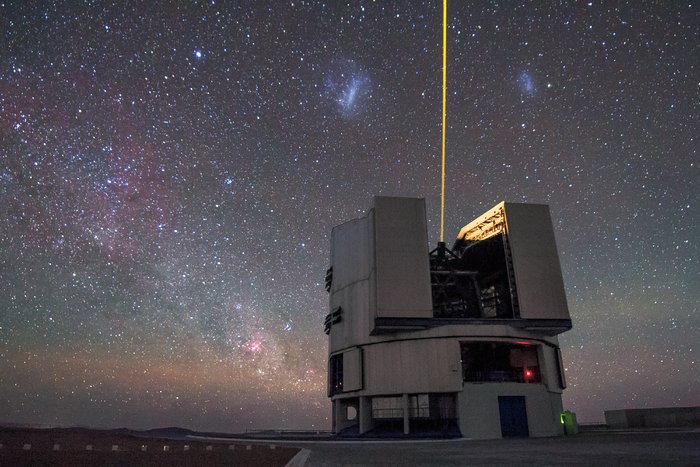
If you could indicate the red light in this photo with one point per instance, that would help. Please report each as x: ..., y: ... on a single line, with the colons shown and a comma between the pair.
x: 522, y: 343
x: 528, y: 373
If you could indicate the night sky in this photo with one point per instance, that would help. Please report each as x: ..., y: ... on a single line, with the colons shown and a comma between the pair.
x: 170, y: 174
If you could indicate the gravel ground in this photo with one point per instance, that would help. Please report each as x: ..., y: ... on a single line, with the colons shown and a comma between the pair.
x: 129, y: 450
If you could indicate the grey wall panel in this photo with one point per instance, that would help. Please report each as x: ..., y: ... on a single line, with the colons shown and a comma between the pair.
x: 350, y: 255
x: 549, y: 366
x: 352, y: 370
x: 355, y: 316
x: 536, y: 262
x: 402, y: 262
x: 418, y: 366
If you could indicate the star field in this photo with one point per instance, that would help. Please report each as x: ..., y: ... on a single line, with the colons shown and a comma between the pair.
x: 170, y: 173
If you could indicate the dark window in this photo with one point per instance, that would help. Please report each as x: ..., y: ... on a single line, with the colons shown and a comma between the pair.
x: 438, y: 406
x: 500, y: 362
x: 489, y: 258
x: 475, y: 282
x: 387, y: 407
x: 335, y: 367
x: 427, y: 413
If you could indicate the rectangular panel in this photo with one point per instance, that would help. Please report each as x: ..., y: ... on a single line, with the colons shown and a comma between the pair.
x: 538, y: 278
x: 560, y: 370
x: 352, y: 370
x: 350, y: 253
x: 413, y: 366
x: 513, y: 414
x: 401, y: 258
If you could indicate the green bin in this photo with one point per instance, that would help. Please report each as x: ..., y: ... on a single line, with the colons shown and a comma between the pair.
x: 568, y: 421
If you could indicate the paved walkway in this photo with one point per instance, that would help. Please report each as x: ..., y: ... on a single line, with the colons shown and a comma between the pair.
x: 606, y: 448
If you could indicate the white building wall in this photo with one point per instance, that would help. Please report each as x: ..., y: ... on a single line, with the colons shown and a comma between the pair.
x: 479, y: 416
x: 413, y: 367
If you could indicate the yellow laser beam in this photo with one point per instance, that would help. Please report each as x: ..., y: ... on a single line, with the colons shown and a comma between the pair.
x: 444, y: 116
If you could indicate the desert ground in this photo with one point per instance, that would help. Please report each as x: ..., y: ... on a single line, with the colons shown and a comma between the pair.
x: 83, y: 447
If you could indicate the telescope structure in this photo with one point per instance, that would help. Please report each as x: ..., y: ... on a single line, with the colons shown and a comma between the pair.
x: 448, y: 342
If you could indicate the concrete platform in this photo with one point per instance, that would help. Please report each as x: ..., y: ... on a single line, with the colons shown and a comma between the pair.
x: 661, y: 448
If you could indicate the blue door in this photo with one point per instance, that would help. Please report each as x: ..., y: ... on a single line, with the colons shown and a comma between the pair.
x: 513, y: 416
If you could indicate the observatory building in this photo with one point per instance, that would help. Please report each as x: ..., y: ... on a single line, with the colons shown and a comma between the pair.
x: 459, y: 341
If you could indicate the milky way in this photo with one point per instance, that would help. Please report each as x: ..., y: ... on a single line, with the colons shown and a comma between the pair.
x: 170, y: 174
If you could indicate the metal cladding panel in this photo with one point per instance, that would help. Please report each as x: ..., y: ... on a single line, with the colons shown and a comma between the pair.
x: 536, y: 262
x: 354, y: 318
x: 351, y: 288
x: 401, y: 258
x: 413, y: 366
x: 352, y: 370
x: 549, y: 367
x: 350, y: 253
